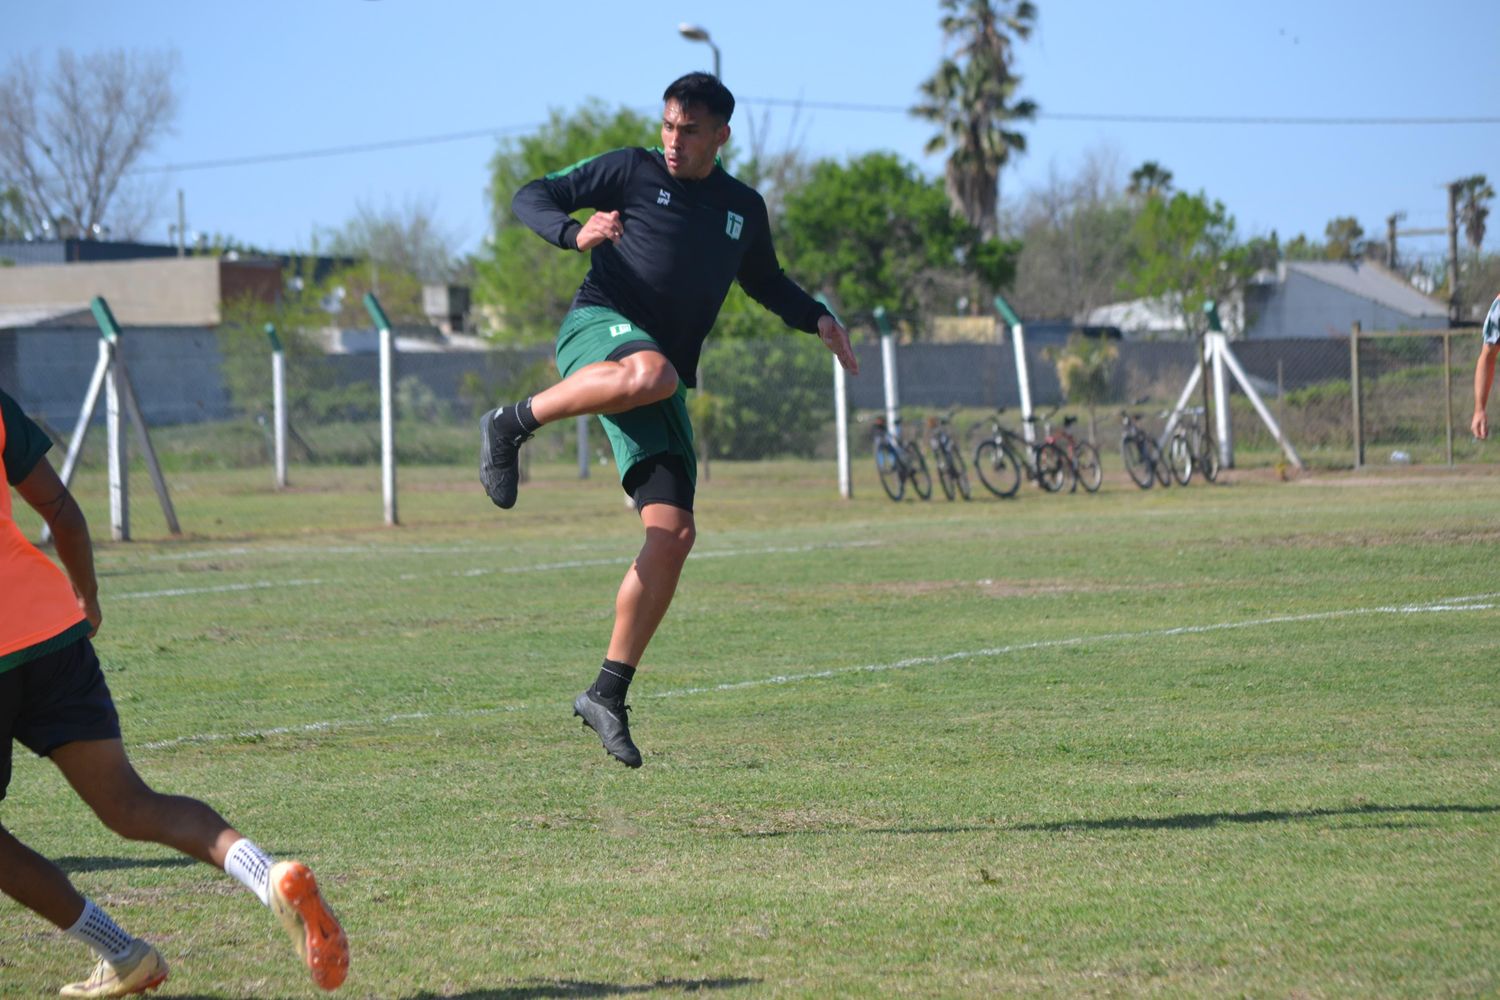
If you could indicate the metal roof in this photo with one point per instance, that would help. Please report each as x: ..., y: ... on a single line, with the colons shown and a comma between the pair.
x: 1373, y: 282
x: 18, y: 316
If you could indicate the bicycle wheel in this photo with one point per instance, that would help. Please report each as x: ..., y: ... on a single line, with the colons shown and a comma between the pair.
x: 1180, y: 457
x: 1138, y: 460
x: 999, y: 469
x: 1086, y: 464
x: 916, y: 470
x: 945, y: 472
x: 960, y: 473
x: 888, y: 464
x: 1158, y: 461
x: 1208, y: 456
x: 1053, y: 468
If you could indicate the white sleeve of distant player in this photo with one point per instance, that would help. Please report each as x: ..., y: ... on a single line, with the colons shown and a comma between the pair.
x: 1492, y: 323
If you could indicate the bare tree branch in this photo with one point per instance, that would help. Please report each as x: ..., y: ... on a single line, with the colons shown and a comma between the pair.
x: 69, y: 137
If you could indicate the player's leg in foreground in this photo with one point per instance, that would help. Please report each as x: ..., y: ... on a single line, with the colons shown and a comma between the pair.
x: 642, y: 601
x: 103, y: 777
x: 126, y: 964
x: 604, y: 387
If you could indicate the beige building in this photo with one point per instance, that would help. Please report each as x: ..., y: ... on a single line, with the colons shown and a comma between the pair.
x: 172, y: 291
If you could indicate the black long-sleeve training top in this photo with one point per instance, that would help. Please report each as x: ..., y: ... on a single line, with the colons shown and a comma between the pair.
x: 683, y: 242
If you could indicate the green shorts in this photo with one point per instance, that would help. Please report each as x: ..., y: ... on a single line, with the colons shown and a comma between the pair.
x: 591, y: 334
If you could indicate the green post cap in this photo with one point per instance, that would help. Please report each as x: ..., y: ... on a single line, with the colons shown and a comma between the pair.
x: 827, y: 305
x: 109, y: 329
x: 376, y: 313
x: 271, y: 333
x: 1006, y: 312
x: 1212, y: 309
x: 882, y: 323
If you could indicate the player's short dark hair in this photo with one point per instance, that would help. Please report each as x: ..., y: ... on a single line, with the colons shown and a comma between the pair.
x: 704, y: 89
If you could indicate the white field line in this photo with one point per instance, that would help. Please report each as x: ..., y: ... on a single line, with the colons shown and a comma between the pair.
x: 225, y: 588
x: 1473, y: 602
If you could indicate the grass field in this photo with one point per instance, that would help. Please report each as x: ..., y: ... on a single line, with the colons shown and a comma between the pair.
x: 1231, y: 740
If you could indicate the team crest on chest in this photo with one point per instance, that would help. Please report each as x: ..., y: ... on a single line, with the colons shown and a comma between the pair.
x: 663, y: 196
x: 734, y: 225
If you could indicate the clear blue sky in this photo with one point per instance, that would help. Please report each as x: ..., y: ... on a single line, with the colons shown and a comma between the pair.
x: 276, y: 76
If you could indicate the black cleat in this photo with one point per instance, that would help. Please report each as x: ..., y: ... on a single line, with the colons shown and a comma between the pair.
x: 609, y: 722
x: 498, y: 471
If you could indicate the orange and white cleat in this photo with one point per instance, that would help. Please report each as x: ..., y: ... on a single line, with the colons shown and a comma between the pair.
x: 321, y: 942
x: 141, y: 970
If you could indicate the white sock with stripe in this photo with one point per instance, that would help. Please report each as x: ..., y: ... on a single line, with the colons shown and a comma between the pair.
x: 95, y: 929
x: 252, y: 867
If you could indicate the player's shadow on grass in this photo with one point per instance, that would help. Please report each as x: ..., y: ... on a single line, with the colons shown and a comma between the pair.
x: 74, y: 865
x: 561, y: 989
x: 1183, y: 821
x: 1194, y: 821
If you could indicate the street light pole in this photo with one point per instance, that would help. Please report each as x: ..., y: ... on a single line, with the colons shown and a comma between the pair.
x: 697, y: 33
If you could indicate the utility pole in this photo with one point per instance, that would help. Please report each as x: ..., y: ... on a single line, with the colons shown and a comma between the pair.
x: 1453, y: 308
x: 1390, y: 238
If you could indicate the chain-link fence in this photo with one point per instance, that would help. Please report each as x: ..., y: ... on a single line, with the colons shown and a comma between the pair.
x: 207, y: 396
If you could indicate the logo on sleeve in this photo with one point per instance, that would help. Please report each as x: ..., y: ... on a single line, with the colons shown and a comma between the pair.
x: 663, y: 196
x: 619, y: 329
x: 734, y: 225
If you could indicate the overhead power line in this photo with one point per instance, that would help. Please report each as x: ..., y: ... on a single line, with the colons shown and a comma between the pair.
x: 886, y: 109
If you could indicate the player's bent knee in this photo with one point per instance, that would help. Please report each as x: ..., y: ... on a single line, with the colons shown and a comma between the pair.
x: 651, y: 377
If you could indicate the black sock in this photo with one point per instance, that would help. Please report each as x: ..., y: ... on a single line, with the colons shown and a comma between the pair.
x: 517, y: 419
x: 613, y: 681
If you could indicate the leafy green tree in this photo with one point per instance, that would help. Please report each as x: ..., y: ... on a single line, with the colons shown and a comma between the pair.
x: 1187, y: 254
x: 972, y: 99
x: 1299, y: 247
x: 1084, y: 366
x: 791, y: 369
x: 875, y: 232
x: 1346, y: 238
x: 524, y: 281
x: 15, y: 221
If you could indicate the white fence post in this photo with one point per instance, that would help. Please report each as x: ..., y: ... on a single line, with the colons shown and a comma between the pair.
x: 387, y: 407
x: 888, y: 372
x: 1023, y: 370
x: 278, y: 404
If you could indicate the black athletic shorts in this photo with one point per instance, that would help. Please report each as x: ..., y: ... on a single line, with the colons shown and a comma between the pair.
x: 660, y: 478
x: 57, y: 698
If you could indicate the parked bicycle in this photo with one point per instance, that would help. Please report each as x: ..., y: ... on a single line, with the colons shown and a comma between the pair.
x: 1192, y: 447
x: 1082, y: 455
x: 1143, y: 459
x: 899, y: 462
x: 1002, y: 458
x: 953, y: 475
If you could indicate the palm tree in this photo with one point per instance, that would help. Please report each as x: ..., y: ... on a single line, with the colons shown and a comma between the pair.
x: 1149, y: 180
x: 1474, y: 193
x: 972, y: 98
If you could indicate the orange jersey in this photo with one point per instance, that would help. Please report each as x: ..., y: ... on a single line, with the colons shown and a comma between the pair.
x: 37, y: 602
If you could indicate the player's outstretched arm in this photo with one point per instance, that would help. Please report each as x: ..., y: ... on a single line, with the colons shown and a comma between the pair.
x: 47, y: 495
x: 834, y: 337
x: 1484, y: 378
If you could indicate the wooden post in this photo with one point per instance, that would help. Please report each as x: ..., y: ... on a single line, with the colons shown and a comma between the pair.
x: 1354, y: 396
x: 1448, y: 391
x: 1453, y: 307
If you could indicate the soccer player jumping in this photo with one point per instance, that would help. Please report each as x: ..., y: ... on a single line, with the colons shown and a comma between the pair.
x: 53, y: 700
x: 670, y: 232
